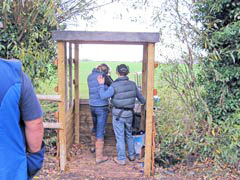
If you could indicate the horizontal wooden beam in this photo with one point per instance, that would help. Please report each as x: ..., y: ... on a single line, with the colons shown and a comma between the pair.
x: 107, y: 37
x: 83, y: 101
x: 53, y: 125
x: 53, y: 98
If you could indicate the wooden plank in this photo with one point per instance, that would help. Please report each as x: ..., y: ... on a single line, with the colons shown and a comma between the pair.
x: 84, y: 101
x: 52, y: 125
x: 153, y: 144
x: 144, y: 85
x: 69, y: 123
x: 76, y: 78
x: 104, y: 37
x: 62, y: 104
x: 109, y: 42
x: 66, y: 75
x: 69, y: 114
x: 144, y: 70
x: 69, y: 119
x: 53, y: 98
x: 70, y: 144
x: 86, y: 132
x: 70, y: 139
x: 70, y: 131
x: 70, y: 76
x: 149, y: 110
x: 69, y: 127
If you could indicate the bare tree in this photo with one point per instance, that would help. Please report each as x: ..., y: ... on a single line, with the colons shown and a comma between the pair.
x: 68, y: 9
x: 180, y: 35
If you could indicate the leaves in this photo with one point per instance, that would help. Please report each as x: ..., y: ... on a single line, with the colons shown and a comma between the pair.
x: 220, y: 72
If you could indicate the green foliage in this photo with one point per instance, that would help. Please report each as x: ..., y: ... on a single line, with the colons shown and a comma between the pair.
x: 221, y: 69
x: 169, y: 126
x: 201, y: 115
x: 27, y: 35
x: 220, y: 74
x: 179, y: 131
x: 28, y: 26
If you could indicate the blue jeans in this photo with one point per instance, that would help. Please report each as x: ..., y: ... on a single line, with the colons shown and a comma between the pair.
x: 123, y: 129
x: 99, y: 118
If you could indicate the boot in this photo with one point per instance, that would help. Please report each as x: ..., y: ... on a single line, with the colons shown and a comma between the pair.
x: 121, y: 162
x: 93, y: 141
x: 99, y: 151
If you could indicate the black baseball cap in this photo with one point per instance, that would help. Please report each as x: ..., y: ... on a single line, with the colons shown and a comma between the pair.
x: 123, y: 69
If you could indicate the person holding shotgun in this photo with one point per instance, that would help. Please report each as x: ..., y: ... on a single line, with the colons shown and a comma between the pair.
x: 99, y: 110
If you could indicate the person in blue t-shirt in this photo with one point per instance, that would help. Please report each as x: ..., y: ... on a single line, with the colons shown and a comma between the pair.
x: 21, y: 124
x: 99, y: 110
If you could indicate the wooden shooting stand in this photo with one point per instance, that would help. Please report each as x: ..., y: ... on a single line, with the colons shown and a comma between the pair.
x: 74, y: 120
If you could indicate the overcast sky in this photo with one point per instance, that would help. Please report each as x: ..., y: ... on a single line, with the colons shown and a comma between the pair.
x: 114, y: 17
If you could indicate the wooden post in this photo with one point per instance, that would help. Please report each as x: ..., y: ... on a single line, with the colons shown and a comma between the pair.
x: 144, y: 70
x: 62, y: 104
x: 76, y: 74
x: 70, y: 75
x: 144, y: 84
x: 149, y: 110
x: 153, y: 144
x: 66, y: 75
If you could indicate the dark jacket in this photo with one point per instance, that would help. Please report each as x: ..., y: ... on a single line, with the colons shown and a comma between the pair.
x: 93, y: 86
x: 125, y: 94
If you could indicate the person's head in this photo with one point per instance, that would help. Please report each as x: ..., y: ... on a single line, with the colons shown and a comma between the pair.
x: 104, y: 68
x: 122, y: 70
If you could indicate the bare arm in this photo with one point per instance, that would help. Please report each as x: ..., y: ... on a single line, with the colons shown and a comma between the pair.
x: 34, y: 134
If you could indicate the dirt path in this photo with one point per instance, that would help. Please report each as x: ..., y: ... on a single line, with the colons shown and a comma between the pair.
x: 81, y: 166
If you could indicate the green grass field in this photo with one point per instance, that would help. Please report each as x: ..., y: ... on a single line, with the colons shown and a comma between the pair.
x: 87, y: 66
x: 85, y: 69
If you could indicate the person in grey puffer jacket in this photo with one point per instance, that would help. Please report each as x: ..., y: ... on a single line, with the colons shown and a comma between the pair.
x: 99, y: 112
x: 124, y: 93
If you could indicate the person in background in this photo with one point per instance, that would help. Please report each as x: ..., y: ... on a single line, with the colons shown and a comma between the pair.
x: 123, y: 93
x: 21, y: 126
x: 99, y: 110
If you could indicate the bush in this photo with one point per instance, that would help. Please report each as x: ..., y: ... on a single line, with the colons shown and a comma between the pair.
x: 217, y: 138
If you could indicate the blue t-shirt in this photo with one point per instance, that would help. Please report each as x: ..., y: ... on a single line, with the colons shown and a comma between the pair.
x: 29, y: 105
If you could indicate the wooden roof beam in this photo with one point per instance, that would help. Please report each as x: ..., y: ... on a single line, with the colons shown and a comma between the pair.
x: 103, y: 37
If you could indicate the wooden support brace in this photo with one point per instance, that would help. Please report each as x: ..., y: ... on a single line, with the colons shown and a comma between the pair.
x: 52, y: 98
x: 149, y: 110
x: 144, y: 85
x: 52, y: 125
x: 153, y: 144
x: 70, y: 76
x: 66, y: 75
x: 62, y: 105
x: 76, y: 83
